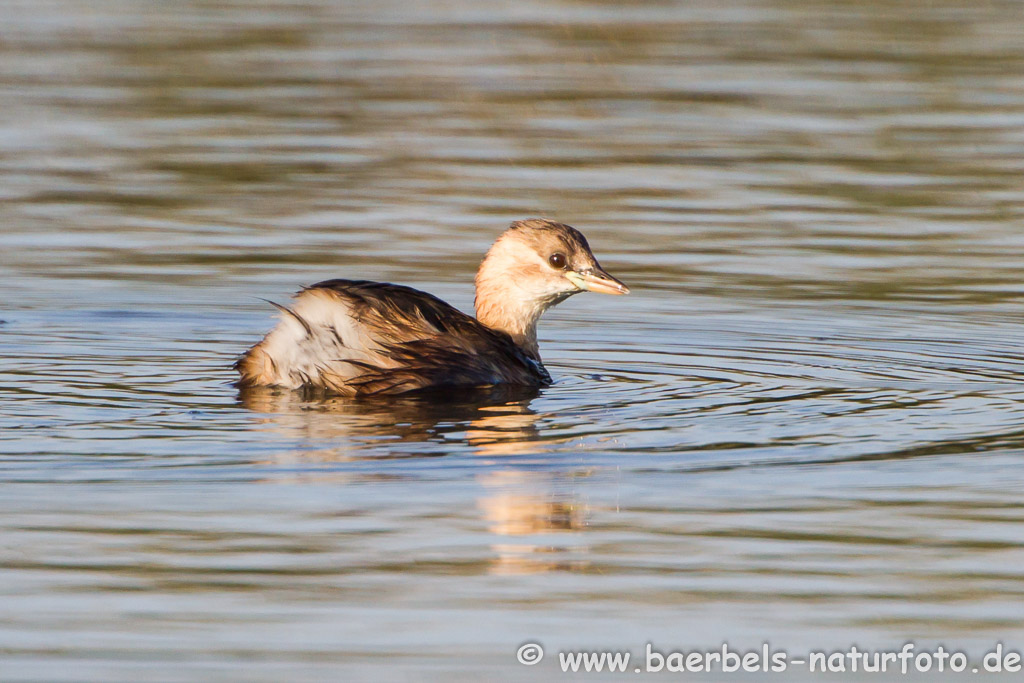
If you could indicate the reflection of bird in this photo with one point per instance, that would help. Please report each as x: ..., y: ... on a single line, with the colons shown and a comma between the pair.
x: 357, y: 338
x: 491, y: 420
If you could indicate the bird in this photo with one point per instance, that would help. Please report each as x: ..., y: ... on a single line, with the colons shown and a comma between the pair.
x: 360, y: 338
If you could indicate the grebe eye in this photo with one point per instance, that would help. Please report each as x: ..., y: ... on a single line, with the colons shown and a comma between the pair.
x: 557, y: 260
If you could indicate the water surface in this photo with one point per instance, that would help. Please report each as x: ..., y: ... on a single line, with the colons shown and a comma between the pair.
x: 804, y: 426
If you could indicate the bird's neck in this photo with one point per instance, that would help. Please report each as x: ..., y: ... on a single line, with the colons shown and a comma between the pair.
x: 511, y: 294
x: 503, y: 304
x: 517, y: 319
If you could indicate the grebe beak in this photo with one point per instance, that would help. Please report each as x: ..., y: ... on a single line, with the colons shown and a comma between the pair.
x: 596, y: 280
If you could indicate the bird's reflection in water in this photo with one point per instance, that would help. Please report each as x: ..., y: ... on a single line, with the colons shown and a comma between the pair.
x: 533, y: 509
x: 484, y: 418
x: 529, y: 508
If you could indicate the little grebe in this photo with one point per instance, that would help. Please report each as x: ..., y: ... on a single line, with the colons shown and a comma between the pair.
x: 358, y: 338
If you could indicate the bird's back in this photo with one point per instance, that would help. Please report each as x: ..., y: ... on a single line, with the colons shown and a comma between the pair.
x: 354, y: 337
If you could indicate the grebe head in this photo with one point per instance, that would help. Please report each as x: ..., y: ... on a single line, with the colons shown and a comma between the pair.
x: 534, y: 265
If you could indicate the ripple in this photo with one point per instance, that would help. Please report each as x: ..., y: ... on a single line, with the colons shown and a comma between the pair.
x: 803, y: 423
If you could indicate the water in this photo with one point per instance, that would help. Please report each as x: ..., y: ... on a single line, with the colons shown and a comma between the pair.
x: 804, y: 426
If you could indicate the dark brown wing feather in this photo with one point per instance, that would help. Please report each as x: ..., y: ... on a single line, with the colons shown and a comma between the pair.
x: 424, y: 343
